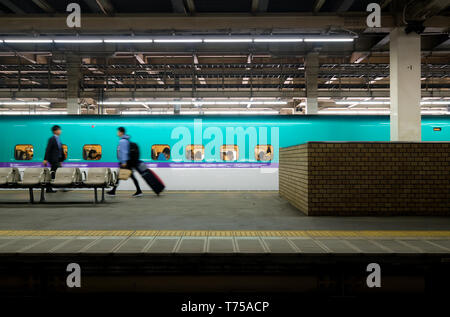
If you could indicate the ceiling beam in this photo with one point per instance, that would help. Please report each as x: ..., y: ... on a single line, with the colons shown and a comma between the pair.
x: 318, y: 5
x: 379, y: 45
x: 190, y: 6
x: 424, y: 9
x: 178, y: 6
x: 100, y: 6
x: 11, y: 6
x: 443, y: 45
x: 54, y: 94
x: 140, y: 58
x: 358, y: 57
x: 385, y: 3
x: 205, y: 23
x: 43, y: 4
x: 93, y: 6
x: 259, y: 6
x: 344, y: 5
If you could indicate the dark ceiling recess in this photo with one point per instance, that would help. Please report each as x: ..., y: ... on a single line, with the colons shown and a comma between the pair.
x: 139, y: 6
x: 61, y: 5
x: 4, y: 9
x: 217, y: 6
x: 291, y: 6
x: 352, y: 5
x: 19, y: 6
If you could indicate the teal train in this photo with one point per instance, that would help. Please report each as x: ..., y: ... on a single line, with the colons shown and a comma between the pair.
x: 195, y: 152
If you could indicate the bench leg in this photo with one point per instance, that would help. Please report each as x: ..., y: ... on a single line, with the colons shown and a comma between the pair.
x: 42, y: 195
x: 30, y: 190
x: 103, y: 194
x: 95, y: 195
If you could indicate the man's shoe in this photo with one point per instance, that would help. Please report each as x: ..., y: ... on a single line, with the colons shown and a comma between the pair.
x: 111, y: 193
x: 137, y: 194
x: 50, y: 191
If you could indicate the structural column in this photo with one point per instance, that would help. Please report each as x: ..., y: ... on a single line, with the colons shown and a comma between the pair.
x: 311, y: 77
x: 73, y: 83
x: 405, y: 85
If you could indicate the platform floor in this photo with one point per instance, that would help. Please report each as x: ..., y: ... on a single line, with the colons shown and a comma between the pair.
x: 221, y: 242
x: 236, y: 211
x: 183, y: 242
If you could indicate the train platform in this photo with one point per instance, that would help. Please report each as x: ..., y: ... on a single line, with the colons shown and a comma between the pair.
x: 213, y: 210
x: 225, y: 242
x: 321, y: 263
x: 232, y: 242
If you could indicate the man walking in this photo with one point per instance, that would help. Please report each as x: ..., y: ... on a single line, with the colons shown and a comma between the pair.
x: 123, y: 154
x: 54, y: 153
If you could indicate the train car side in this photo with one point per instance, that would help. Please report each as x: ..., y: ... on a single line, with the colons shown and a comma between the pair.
x: 247, y: 138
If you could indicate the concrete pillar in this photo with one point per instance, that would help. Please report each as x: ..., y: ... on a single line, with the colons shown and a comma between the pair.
x: 73, y: 83
x: 405, y: 85
x: 311, y: 77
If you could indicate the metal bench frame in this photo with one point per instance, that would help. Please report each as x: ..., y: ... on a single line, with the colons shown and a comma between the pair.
x: 43, y: 187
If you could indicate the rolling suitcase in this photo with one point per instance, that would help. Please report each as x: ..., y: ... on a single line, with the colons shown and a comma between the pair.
x: 151, y: 178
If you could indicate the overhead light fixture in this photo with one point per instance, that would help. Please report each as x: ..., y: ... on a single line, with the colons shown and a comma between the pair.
x: 377, y: 102
x: 77, y: 40
x: 179, y: 40
x: 227, y: 40
x: 239, y: 112
x: 383, y: 111
x: 26, y: 113
x: 349, y: 102
x: 269, y: 39
x: 441, y: 102
x: 207, y: 112
x: 25, y: 103
x: 328, y: 39
x: 347, y: 112
x: 193, y: 39
x: 127, y: 112
x: 28, y: 41
x: 193, y: 103
x: 128, y: 40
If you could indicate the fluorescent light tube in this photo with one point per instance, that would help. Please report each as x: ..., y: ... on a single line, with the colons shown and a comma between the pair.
x: 362, y: 102
x: 268, y: 40
x: 78, y: 40
x: 435, y: 102
x: 198, y: 102
x: 324, y: 39
x: 130, y: 40
x: 227, y: 40
x: 185, y: 40
x: 28, y: 41
x: 25, y: 103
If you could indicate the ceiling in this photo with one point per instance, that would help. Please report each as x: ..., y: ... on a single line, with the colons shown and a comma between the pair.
x: 126, y: 71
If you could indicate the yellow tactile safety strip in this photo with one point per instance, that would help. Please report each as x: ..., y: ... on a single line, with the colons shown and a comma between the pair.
x: 206, y: 233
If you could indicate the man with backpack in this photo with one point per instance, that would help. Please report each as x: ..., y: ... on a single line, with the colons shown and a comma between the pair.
x: 128, y: 155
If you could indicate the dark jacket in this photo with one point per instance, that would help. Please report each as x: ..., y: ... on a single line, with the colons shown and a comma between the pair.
x: 53, y: 154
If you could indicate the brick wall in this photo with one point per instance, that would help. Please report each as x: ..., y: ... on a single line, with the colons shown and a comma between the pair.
x: 367, y: 178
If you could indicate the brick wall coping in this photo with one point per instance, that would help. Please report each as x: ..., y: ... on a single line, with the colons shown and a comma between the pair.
x: 368, y: 142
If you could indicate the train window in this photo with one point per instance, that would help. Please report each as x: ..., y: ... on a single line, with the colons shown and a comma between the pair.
x: 264, y: 152
x: 92, y: 152
x: 195, y: 152
x: 229, y: 152
x: 65, y: 151
x: 160, y: 152
x: 23, y: 152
